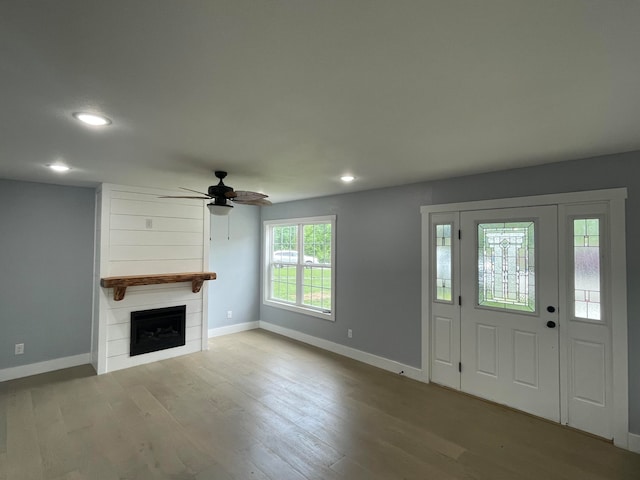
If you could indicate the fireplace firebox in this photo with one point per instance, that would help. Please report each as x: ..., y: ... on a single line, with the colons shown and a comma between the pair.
x: 157, y: 329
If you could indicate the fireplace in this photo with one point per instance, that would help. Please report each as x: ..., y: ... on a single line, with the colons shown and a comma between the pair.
x: 157, y: 329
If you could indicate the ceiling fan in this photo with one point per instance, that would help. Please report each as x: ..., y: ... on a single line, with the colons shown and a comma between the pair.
x: 222, y: 195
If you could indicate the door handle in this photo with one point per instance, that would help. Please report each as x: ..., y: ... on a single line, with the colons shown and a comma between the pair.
x: 551, y: 309
x: 551, y: 324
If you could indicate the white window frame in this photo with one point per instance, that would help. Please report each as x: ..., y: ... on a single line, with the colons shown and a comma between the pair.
x: 268, y: 266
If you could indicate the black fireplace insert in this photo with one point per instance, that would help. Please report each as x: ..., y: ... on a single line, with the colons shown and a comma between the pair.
x: 157, y: 329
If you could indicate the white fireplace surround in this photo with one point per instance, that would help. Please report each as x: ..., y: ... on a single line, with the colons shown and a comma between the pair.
x: 138, y: 233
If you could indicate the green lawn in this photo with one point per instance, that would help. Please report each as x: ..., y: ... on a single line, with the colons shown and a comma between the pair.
x: 316, y: 284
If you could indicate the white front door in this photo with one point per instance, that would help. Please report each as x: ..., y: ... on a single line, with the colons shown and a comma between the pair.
x: 509, y: 308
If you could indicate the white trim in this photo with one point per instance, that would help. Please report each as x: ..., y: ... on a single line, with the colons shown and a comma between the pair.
x: 610, y: 194
x: 354, y: 354
x: 95, y: 300
x: 563, y: 306
x: 426, y: 296
x: 229, y: 329
x: 105, y: 245
x: 634, y: 442
x: 619, y: 322
x: 294, y: 221
x: 44, y: 367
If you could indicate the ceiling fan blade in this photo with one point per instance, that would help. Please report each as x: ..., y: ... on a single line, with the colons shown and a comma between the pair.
x: 246, y: 195
x: 195, y: 191
x: 261, y: 202
x: 193, y: 198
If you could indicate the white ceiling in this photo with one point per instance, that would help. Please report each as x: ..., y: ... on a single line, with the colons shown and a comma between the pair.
x: 289, y: 95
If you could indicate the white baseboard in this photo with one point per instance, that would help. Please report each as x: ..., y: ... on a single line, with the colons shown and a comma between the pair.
x: 229, y: 329
x: 44, y: 367
x: 634, y: 442
x: 359, y: 355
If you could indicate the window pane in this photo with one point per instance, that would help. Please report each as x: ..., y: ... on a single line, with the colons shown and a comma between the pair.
x: 586, y: 268
x: 317, y: 287
x: 317, y: 243
x: 443, y: 262
x: 283, y: 283
x: 506, y: 265
x: 284, y: 244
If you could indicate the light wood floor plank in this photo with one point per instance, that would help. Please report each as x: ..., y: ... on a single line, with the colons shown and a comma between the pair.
x: 23, y: 453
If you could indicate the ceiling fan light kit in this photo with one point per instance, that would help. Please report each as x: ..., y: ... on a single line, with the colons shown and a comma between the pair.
x: 220, y: 210
x: 222, y: 194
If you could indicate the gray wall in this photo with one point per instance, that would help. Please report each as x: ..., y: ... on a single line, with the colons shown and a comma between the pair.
x: 378, y: 253
x: 235, y: 257
x: 46, y: 271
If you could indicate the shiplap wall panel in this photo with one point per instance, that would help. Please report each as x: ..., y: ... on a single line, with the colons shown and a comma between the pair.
x: 118, y: 331
x: 144, y: 234
x: 154, y: 209
x: 153, y: 237
x: 156, y: 252
x: 180, y: 294
x: 151, y: 267
x: 130, y: 222
x: 193, y: 333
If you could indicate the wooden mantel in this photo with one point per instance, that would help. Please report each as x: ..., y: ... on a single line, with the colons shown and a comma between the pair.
x: 120, y: 284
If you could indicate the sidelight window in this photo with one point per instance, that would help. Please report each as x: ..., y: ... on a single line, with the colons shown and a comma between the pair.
x: 587, y: 277
x: 444, y: 265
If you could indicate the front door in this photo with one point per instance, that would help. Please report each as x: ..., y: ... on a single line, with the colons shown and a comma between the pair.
x: 509, y: 308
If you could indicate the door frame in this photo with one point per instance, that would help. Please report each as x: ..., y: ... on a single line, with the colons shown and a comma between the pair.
x: 616, y: 200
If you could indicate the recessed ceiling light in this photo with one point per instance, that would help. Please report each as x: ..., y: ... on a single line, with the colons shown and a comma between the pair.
x: 92, y: 119
x: 347, y: 178
x: 58, y: 167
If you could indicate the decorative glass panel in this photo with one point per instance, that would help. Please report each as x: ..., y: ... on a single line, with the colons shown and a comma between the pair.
x: 443, y: 262
x: 506, y: 265
x: 586, y: 268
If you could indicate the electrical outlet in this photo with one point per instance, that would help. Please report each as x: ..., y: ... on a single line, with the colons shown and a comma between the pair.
x: 350, y: 333
x: 19, y: 348
x: 229, y: 314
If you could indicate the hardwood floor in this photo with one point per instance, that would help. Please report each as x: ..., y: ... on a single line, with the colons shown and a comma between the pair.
x: 260, y: 406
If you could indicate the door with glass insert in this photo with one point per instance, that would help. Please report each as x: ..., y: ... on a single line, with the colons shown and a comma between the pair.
x: 509, y: 301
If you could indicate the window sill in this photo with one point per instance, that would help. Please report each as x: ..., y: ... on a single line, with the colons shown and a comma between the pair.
x: 301, y: 310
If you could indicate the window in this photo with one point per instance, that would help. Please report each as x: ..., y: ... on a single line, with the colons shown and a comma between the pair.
x: 587, y: 277
x: 299, y: 259
x: 443, y: 262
